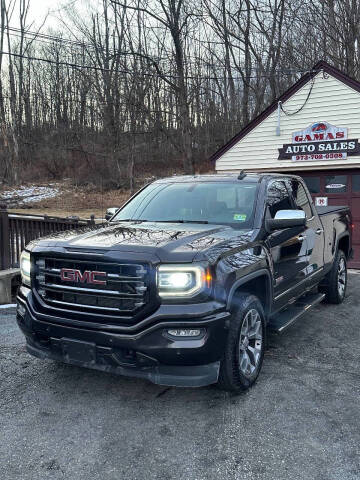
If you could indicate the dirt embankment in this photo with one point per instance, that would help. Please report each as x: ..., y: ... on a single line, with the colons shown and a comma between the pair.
x: 61, y: 200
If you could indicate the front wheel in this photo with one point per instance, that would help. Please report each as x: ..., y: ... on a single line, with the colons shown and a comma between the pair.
x: 335, y: 289
x: 244, y: 351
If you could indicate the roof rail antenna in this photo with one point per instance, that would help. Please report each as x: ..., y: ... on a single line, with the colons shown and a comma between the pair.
x: 242, y: 175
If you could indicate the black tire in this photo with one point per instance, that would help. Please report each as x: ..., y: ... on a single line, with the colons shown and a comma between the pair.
x: 335, y: 294
x: 232, y: 377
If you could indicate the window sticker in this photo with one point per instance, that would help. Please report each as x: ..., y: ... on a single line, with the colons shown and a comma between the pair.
x: 240, y: 217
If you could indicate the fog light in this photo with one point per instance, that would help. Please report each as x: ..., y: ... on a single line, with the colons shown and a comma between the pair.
x: 186, y: 332
x: 21, y: 310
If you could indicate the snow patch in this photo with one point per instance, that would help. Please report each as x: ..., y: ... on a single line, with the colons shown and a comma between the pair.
x: 30, y: 194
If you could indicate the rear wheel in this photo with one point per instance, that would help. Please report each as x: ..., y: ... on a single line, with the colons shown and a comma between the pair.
x: 335, y: 289
x: 244, y: 352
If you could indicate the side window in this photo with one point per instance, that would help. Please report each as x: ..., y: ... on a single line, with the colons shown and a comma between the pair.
x: 313, y: 184
x: 300, y: 198
x: 278, y: 198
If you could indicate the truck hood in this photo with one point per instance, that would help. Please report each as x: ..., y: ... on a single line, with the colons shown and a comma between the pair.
x: 168, y: 241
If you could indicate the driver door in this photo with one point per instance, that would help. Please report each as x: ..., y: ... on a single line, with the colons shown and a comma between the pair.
x: 288, y: 249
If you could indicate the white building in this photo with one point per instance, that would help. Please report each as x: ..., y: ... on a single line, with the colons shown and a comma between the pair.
x: 312, y: 130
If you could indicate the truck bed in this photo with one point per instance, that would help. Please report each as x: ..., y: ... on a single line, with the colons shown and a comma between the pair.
x: 334, y: 220
x: 330, y: 209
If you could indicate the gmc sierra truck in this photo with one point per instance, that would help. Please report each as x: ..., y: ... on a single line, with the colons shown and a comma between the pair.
x: 184, y: 282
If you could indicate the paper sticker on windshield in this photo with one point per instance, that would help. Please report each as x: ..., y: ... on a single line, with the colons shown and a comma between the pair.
x: 240, y: 217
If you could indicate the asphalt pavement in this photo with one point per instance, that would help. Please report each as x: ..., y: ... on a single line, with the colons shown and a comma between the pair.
x: 300, y: 421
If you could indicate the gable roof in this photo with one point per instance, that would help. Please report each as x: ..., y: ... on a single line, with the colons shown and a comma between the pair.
x: 320, y: 66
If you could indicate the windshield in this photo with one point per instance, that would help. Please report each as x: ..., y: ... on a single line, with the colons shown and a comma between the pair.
x: 205, y: 202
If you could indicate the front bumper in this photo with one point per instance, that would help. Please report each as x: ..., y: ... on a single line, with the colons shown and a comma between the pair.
x: 149, y: 353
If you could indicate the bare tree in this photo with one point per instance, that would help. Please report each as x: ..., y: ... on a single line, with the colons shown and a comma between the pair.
x: 130, y: 88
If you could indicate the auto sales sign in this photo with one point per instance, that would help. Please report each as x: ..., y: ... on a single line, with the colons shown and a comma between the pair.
x: 320, y: 141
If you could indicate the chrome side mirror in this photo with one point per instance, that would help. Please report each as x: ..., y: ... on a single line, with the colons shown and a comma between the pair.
x: 286, y: 219
x: 110, y: 212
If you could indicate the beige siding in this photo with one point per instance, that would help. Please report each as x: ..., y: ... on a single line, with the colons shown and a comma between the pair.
x: 330, y: 100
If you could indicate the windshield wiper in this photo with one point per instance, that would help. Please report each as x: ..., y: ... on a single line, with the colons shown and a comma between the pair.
x: 180, y: 221
x: 160, y: 221
x: 129, y: 220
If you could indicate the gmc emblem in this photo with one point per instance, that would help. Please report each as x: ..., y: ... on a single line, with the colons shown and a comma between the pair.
x: 72, y: 275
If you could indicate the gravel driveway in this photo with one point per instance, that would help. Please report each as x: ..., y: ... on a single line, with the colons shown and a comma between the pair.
x: 300, y: 421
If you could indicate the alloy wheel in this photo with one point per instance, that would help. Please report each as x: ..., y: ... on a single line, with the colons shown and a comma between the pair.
x: 341, y: 277
x: 250, y: 342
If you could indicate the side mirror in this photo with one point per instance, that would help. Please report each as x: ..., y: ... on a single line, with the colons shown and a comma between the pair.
x: 286, y: 219
x: 110, y: 212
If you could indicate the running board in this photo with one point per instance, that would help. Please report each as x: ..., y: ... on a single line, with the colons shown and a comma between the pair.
x: 283, y: 320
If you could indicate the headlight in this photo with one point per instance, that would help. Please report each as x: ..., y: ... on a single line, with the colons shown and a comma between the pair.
x: 181, y: 280
x: 25, y: 267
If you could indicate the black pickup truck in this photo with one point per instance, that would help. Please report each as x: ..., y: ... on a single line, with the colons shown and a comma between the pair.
x: 183, y: 283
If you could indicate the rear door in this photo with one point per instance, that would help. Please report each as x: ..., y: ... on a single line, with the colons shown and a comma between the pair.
x: 288, y: 248
x: 314, y: 231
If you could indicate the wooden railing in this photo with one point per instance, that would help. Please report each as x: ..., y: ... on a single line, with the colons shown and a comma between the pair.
x: 17, y: 230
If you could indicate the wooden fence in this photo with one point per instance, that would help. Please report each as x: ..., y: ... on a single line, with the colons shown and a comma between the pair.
x: 18, y: 230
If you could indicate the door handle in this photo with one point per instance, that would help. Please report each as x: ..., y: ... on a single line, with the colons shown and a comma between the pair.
x: 319, y: 231
x: 301, y: 237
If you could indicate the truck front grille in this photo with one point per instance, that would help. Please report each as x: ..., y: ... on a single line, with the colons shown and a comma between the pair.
x: 122, y: 292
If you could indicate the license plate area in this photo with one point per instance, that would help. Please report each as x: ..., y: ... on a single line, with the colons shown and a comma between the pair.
x: 78, y: 351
